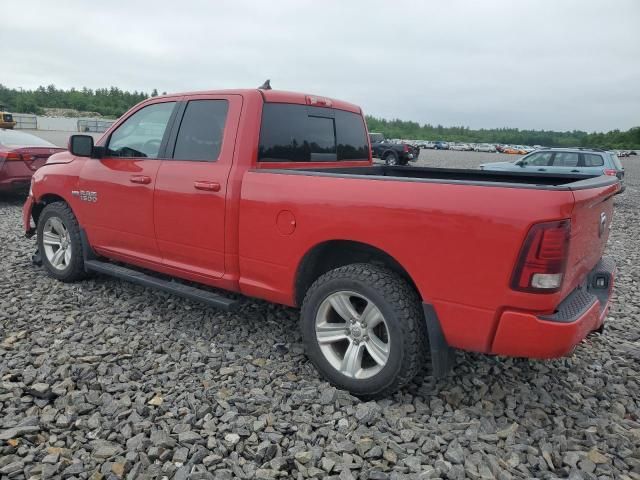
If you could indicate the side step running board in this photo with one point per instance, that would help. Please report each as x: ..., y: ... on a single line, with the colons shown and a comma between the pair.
x: 140, y: 278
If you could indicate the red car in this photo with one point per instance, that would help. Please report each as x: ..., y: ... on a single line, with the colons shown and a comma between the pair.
x: 21, y: 154
x: 273, y: 194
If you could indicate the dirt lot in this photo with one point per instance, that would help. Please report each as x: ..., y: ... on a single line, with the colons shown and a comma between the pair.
x: 104, y: 379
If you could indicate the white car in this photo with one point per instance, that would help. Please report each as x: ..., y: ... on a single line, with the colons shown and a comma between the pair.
x: 460, y: 147
x: 485, y: 147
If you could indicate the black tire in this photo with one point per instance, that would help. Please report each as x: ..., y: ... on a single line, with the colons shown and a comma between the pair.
x: 391, y: 159
x: 74, y: 270
x: 403, y: 315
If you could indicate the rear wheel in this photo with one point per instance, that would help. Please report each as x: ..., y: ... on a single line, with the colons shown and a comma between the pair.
x: 364, y: 330
x: 59, y: 242
x: 391, y: 159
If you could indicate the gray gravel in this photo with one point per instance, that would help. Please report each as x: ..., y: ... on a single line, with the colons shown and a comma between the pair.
x: 103, y: 379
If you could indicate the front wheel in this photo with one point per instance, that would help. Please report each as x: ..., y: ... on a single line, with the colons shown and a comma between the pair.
x: 364, y: 330
x: 59, y: 242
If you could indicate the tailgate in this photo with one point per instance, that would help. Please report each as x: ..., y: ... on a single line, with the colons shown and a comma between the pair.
x: 590, y: 224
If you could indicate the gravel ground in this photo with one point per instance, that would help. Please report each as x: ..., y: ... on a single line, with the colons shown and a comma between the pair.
x: 103, y: 379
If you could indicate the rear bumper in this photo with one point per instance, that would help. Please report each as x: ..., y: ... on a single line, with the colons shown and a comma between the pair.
x: 29, y: 230
x: 522, y: 334
x: 14, y: 176
x: 15, y: 184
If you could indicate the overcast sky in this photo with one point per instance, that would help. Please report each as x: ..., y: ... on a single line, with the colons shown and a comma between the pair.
x: 543, y: 64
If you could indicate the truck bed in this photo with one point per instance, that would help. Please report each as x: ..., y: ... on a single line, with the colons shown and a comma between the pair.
x: 459, y: 176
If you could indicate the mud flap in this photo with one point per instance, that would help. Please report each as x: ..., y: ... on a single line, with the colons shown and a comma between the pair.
x: 442, y: 355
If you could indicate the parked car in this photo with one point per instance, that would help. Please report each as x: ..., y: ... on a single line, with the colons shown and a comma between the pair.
x: 485, y: 147
x: 441, y: 145
x: 426, y: 144
x: 514, y: 150
x: 392, y: 153
x: 274, y: 195
x: 6, y: 120
x: 21, y: 154
x: 464, y: 147
x: 565, y: 160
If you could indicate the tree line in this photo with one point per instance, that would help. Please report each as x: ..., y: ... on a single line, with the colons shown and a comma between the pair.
x: 113, y: 102
x: 109, y: 102
x: 614, y: 139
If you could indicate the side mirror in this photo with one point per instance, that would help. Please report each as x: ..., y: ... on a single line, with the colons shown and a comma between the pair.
x: 521, y: 163
x: 81, y: 145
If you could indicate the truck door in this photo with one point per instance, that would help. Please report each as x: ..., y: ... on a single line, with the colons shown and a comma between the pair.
x: 191, y: 187
x: 117, y: 190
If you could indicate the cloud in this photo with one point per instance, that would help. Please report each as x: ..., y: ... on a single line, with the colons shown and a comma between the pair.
x: 529, y: 64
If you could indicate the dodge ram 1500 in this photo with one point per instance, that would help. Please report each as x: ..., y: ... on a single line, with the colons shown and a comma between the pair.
x: 274, y: 195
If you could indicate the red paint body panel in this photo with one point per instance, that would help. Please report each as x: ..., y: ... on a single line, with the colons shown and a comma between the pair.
x: 457, y: 241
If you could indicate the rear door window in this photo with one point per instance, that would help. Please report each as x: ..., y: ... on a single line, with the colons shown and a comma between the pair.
x: 565, y: 159
x: 592, y: 160
x: 300, y: 133
x: 201, y: 130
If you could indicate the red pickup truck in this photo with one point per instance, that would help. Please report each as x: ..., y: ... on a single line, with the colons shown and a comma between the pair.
x: 274, y: 195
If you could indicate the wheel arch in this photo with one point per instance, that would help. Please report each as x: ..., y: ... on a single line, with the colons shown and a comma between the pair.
x: 43, y: 201
x: 332, y: 254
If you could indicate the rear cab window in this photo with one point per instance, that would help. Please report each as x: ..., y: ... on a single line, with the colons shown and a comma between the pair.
x: 301, y: 134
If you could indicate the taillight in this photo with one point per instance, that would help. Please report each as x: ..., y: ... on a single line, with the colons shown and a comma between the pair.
x: 610, y: 172
x: 543, y: 258
x: 11, y: 156
x: 405, y: 148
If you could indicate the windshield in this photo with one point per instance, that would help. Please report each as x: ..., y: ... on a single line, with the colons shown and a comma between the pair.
x: 13, y: 138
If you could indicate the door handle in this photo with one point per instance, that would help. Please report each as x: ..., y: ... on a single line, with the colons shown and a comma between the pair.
x: 142, y: 179
x: 542, y: 169
x: 575, y: 171
x: 207, y: 186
